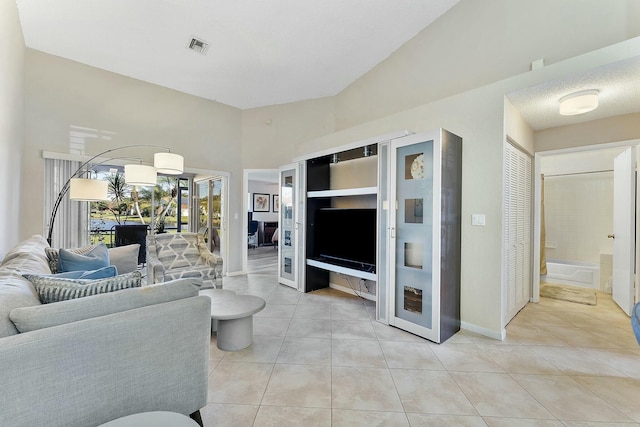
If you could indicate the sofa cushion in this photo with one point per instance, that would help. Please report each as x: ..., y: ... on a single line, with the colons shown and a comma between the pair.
x: 125, y: 258
x: 52, y: 289
x: 94, y: 259
x: 43, y: 316
x: 16, y: 291
x: 53, y: 256
x: 100, y: 273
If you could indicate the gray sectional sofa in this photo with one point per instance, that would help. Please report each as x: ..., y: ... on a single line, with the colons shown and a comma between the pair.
x: 90, y: 360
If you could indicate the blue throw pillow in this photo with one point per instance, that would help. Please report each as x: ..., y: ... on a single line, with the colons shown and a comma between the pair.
x: 100, y: 273
x: 94, y: 259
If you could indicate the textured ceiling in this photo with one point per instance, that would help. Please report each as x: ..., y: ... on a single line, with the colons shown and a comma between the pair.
x: 261, y: 52
x: 618, y: 83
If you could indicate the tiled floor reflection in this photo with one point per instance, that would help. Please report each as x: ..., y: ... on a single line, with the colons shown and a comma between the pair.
x: 320, y: 360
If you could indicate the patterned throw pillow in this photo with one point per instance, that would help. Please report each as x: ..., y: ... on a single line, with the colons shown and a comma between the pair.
x: 52, y: 289
x: 53, y: 256
x: 96, y: 258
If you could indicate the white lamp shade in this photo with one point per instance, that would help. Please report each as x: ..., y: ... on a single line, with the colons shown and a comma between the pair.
x: 142, y: 175
x: 579, y: 102
x: 168, y: 163
x: 90, y: 190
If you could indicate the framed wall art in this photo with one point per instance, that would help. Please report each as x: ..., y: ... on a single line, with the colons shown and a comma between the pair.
x: 261, y: 202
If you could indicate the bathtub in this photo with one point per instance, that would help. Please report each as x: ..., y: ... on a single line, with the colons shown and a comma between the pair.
x: 572, y: 273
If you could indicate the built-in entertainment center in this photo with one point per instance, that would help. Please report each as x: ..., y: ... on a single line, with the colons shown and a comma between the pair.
x: 341, y: 228
x: 382, y: 219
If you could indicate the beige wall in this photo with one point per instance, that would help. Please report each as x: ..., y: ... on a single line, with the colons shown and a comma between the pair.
x: 11, y: 124
x: 483, y: 41
x: 517, y: 130
x: 613, y: 129
x: 270, y: 134
x: 62, y: 96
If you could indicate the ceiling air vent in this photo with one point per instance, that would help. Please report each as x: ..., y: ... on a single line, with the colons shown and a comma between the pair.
x: 198, y: 45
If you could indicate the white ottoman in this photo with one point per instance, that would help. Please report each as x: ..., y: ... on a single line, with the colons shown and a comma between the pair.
x: 216, y: 294
x: 153, y: 419
x: 235, y: 320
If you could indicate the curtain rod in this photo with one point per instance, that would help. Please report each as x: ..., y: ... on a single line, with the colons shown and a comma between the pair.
x: 577, y: 173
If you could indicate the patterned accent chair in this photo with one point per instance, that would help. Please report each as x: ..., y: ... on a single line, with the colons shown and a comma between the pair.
x: 182, y: 255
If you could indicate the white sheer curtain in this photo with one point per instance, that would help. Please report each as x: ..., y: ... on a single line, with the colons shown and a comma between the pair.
x: 71, y: 226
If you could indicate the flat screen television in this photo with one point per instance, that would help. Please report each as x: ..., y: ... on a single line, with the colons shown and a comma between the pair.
x: 346, y: 237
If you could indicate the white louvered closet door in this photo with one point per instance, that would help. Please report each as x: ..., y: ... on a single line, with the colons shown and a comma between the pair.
x: 516, y: 274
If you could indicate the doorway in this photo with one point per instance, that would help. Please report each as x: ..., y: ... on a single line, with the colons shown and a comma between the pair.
x: 260, y: 215
x: 573, y: 242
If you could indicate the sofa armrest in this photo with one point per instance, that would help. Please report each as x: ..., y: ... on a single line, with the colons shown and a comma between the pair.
x: 92, y: 371
x: 214, y: 261
x: 155, y: 269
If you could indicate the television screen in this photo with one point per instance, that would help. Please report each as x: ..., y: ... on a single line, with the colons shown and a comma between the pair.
x: 346, y: 237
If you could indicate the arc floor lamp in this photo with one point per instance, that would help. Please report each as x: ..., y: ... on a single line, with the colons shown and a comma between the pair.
x: 87, y: 189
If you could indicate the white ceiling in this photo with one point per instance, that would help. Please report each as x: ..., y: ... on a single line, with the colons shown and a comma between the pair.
x: 261, y: 52
x: 619, y: 93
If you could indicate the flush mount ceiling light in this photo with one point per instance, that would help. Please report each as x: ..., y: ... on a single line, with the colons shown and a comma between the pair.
x: 579, y: 102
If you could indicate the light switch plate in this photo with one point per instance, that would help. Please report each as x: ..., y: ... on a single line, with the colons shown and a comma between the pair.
x: 478, y: 219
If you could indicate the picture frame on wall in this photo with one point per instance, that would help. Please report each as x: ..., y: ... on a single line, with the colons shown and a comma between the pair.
x: 276, y: 203
x: 261, y: 202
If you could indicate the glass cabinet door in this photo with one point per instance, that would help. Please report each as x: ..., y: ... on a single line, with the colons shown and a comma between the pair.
x: 414, y: 238
x: 288, y: 227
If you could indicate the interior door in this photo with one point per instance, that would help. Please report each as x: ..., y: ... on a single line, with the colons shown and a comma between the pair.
x: 516, y: 266
x: 414, y: 241
x: 624, y: 191
x: 289, y: 227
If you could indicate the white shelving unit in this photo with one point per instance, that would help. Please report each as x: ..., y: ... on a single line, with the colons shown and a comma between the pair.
x: 363, y: 191
x: 342, y: 270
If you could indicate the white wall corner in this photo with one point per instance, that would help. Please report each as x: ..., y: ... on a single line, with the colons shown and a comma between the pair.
x: 496, y: 335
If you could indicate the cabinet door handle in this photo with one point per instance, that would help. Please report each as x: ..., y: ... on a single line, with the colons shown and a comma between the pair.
x: 393, y: 233
x: 611, y: 236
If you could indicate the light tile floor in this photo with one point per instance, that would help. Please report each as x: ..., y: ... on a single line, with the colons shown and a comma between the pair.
x: 320, y: 359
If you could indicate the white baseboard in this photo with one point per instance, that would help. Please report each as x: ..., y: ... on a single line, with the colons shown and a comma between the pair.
x: 236, y: 273
x: 484, y: 331
x: 364, y: 295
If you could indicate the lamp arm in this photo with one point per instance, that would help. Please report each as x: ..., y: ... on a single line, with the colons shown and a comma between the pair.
x: 65, y: 187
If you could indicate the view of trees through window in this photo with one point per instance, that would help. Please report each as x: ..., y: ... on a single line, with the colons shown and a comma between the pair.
x: 129, y: 205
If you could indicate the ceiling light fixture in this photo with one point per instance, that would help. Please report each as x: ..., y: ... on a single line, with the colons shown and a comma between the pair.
x: 579, y: 102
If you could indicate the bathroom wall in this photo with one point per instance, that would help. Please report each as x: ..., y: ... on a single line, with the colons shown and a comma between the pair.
x: 579, y: 205
x: 578, y: 216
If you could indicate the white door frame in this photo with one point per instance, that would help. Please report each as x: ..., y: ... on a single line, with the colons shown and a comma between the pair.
x: 535, y: 292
